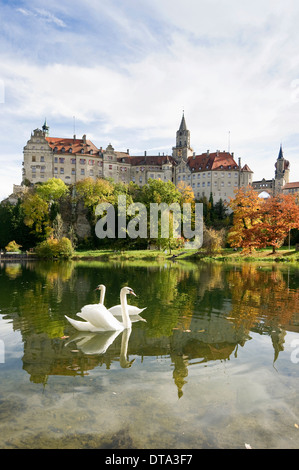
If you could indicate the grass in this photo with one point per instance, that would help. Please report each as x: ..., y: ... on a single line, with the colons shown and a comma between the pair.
x: 226, y: 254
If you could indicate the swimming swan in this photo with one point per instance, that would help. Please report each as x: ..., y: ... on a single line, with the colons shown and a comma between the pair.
x: 116, y: 310
x: 98, y: 318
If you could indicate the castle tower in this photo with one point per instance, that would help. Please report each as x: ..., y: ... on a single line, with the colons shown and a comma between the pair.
x: 282, y: 171
x: 182, y: 150
x: 46, y: 128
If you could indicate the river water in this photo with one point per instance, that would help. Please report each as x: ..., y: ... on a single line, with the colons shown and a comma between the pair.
x: 215, y: 365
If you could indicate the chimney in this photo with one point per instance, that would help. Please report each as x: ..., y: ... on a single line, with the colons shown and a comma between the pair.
x: 128, y: 151
x: 74, y: 137
x: 208, y: 152
x: 84, y: 138
x: 145, y: 153
x: 239, y: 163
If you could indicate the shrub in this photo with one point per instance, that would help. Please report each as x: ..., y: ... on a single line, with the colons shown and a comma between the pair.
x: 13, y: 247
x: 213, y: 240
x: 53, y: 248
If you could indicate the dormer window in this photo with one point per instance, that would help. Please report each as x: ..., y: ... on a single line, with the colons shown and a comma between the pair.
x: 55, y: 149
x: 70, y: 150
x: 82, y: 151
x: 62, y: 150
x: 90, y: 152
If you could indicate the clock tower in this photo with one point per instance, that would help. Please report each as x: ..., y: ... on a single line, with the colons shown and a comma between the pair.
x: 182, y: 150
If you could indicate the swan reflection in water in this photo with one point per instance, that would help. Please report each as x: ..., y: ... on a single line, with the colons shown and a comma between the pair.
x: 98, y: 343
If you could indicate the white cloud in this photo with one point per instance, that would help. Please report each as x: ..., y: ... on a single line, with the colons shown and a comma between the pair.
x: 232, y: 67
x: 43, y: 14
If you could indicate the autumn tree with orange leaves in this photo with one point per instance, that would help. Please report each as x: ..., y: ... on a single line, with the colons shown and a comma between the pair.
x: 258, y: 223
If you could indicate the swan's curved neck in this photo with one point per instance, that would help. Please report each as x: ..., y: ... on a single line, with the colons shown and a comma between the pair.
x: 102, y: 296
x: 124, y: 310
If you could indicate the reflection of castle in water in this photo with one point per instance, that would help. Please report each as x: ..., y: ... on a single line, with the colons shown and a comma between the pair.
x: 212, y: 312
x: 207, y: 340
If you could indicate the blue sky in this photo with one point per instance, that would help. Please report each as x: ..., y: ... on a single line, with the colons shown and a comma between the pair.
x: 127, y: 69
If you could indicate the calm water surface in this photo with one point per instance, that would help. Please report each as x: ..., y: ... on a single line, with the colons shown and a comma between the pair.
x: 215, y: 365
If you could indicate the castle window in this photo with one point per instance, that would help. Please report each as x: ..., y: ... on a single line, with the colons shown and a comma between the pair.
x: 82, y: 171
x: 82, y: 161
x: 42, y: 169
x: 198, y: 175
x: 229, y: 174
x: 33, y: 169
x: 55, y: 170
x: 42, y: 159
x: 236, y: 175
x: 73, y: 171
x: 55, y: 159
x: 91, y: 172
x: 209, y: 183
x: 34, y: 159
x: 198, y: 185
x: 110, y: 167
x: 61, y: 160
x: 73, y: 161
x: 62, y: 171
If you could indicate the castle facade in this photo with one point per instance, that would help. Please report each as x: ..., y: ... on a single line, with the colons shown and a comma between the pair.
x: 73, y: 159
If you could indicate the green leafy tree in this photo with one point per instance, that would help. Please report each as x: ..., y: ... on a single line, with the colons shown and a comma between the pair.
x: 52, y: 190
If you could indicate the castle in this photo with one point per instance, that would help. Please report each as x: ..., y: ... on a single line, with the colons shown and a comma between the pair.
x: 216, y: 173
x: 73, y: 159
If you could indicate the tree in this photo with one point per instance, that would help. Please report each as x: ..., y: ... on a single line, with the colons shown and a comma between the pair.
x: 36, y: 215
x: 52, y: 190
x: 280, y: 214
x: 94, y: 192
x: 213, y: 240
x: 246, y: 207
x: 258, y: 223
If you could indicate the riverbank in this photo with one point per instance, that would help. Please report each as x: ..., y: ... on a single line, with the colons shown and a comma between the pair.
x: 283, y: 254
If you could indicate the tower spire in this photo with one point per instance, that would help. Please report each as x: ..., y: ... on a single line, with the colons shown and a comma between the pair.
x: 46, y: 128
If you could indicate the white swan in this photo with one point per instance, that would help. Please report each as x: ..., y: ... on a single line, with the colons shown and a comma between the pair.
x: 116, y: 310
x: 98, y: 318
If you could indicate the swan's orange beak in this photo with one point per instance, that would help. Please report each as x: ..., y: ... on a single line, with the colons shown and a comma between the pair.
x: 132, y: 292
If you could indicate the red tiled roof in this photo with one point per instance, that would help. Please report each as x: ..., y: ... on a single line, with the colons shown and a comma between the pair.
x: 212, y: 161
x: 291, y: 185
x: 75, y: 144
x: 153, y: 160
x: 246, y: 168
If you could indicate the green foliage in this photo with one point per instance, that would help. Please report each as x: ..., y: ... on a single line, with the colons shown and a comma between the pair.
x: 13, y: 246
x: 12, y: 226
x: 52, y: 190
x: 54, y: 248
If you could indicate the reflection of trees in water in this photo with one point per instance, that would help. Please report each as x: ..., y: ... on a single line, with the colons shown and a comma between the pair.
x: 193, y: 315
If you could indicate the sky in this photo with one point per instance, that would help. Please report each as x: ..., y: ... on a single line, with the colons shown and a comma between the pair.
x: 123, y: 72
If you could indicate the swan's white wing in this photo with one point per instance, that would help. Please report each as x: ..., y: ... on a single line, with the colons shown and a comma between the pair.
x: 99, y: 316
x: 81, y: 325
x: 132, y: 310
